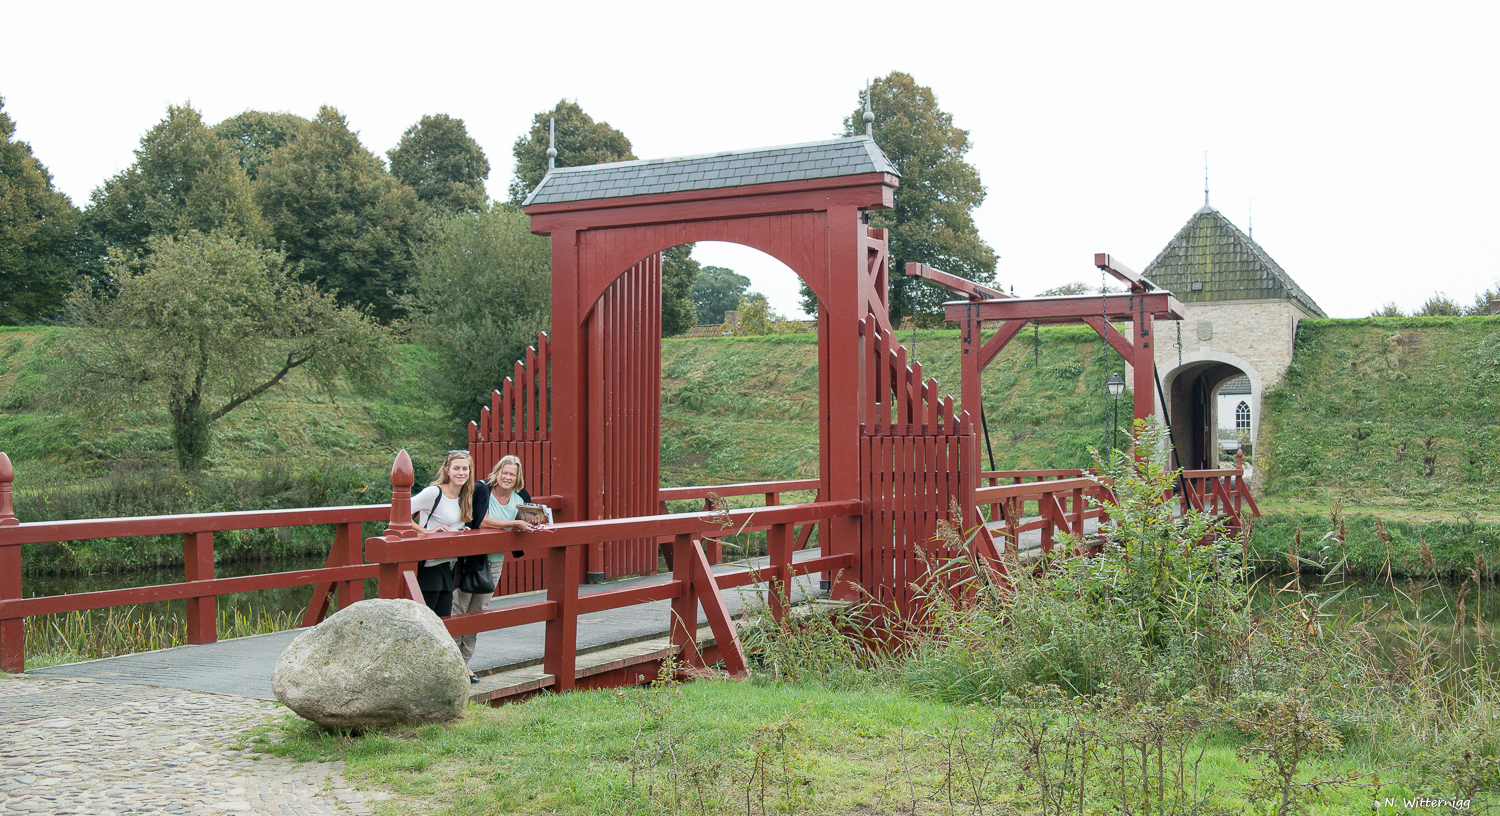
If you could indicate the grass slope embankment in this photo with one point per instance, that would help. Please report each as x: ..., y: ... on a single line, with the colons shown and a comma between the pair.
x: 745, y: 408
x: 293, y: 447
x: 1385, y: 432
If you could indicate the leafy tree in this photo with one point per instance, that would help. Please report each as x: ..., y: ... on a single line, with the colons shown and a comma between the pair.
x: 715, y: 291
x: 580, y: 141
x: 37, y: 224
x: 1483, y: 300
x: 678, y: 272
x: 480, y: 296
x: 337, y: 212
x: 437, y: 158
x: 212, y: 322
x: 255, y: 135
x: 1439, y: 305
x: 756, y: 316
x: 932, y: 221
x: 1390, y: 309
x: 1078, y: 288
x: 184, y: 178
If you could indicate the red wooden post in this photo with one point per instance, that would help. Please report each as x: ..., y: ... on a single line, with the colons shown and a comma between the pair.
x: 560, y: 658
x: 779, y: 553
x: 402, y: 476
x: 12, y: 630
x: 198, y: 565
x: 7, y: 508
x: 684, y: 623
x: 349, y: 546
x: 717, y: 613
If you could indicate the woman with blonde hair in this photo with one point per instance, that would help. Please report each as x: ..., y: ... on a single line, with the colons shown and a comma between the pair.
x: 443, y: 506
x: 506, y: 492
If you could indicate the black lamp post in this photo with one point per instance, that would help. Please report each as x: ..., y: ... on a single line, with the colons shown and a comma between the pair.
x: 1115, y: 385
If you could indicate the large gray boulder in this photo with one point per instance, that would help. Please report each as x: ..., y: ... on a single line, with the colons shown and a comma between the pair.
x: 375, y: 664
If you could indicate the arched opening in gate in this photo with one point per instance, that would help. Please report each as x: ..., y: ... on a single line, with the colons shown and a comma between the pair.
x: 1214, y: 407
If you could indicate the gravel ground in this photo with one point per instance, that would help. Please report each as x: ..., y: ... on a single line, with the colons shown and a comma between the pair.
x: 81, y: 747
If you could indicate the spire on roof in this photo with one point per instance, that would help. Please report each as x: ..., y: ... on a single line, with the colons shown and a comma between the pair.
x: 869, y: 113
x: 1206, y: 207
x: 551, y: 144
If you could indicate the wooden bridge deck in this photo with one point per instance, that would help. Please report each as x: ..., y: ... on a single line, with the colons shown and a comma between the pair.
x: 509, y: 662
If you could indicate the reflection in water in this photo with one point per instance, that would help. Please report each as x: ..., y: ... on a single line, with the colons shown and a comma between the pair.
x: 1411, y: 620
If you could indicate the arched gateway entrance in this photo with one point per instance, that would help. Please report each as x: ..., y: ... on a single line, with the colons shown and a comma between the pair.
x: 595, y: 440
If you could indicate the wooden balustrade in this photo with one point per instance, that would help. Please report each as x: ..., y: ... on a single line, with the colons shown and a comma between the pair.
x: 342, y: 575
x: 1062, y: 504
x: 771, y: 491
x: 561, y: 547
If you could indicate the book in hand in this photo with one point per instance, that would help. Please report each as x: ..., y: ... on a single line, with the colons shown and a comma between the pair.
x: 534, y: 514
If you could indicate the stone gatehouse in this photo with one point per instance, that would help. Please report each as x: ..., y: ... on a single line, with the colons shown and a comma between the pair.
x: 1241, y: 311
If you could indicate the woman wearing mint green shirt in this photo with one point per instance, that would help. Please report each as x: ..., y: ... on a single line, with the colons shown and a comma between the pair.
x: 507, y: 493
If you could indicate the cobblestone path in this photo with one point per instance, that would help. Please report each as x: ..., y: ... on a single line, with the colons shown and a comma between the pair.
x: 80, y: 747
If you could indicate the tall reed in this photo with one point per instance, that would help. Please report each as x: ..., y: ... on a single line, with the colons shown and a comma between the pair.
x: 71, y: 637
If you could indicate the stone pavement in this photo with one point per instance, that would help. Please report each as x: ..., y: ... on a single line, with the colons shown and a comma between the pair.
x: 81, y: 747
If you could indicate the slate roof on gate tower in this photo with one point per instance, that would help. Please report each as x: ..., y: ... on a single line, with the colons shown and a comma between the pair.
x: 1211, y: 251
x: 851, y: 156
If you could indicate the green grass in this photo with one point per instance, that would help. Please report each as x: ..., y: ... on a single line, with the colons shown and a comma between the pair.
x: 1389, y: 413
x: 818, y: 750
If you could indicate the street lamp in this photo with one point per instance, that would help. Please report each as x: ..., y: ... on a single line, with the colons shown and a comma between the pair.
x: 1115, y: 385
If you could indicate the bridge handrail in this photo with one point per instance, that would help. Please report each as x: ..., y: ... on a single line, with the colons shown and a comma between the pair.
x: 51, y: 532
x: 342, y: 575
x: 693, y: 581
x: 738, y: 489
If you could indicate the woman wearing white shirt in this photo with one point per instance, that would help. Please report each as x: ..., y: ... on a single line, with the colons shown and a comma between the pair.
x: 446, y: 504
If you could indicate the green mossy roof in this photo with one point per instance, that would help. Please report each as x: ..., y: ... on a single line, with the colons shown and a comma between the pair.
x: 1229, y: 265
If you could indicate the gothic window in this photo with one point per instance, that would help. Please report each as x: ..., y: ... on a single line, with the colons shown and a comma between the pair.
x: 1242, y: 416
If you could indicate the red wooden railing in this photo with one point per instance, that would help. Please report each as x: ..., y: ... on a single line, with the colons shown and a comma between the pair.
x: 342, y: 575
x: 692, y: 582
x: 1219, y: 493
x: 1062, y: 506
x: 771, y: 491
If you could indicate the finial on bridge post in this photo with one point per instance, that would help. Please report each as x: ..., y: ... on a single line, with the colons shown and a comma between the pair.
x: 551, y: 144
x: 402, y: 477
x: 869, y: 113
x: 7, y: 509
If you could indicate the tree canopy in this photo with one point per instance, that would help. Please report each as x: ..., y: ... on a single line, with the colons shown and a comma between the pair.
x: 211, y: 322
x: 184, y: 178
x: 437, y: 158
x: 255, y: 135
x: 678, y: 272
x: 715, y: 291
x: 932, y: 221
x: 480, y: 295
x: 338, y: 213
x: 580, y: 141
x: 38, y: 254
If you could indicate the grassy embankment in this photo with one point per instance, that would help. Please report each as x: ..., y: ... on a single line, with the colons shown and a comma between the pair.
x: 293, y: 447
x: 1386, y: 433
x: 1347, y: 443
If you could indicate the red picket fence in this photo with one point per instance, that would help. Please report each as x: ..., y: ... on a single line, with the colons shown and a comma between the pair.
x: 342, y: 576
x: 913, y: 458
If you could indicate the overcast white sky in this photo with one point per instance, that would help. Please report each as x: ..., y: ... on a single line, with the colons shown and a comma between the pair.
x: 1362, y: 134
